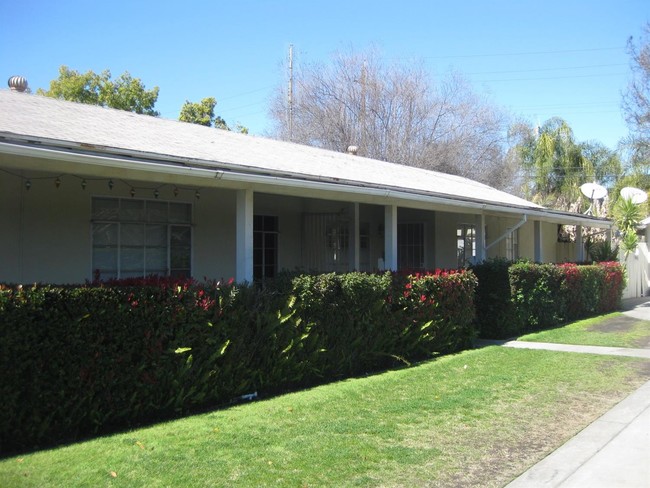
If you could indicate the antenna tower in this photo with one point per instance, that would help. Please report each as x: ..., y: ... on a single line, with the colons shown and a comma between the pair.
x: 290, y: 93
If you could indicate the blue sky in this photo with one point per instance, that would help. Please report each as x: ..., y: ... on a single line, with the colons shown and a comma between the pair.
x: 537, y: 59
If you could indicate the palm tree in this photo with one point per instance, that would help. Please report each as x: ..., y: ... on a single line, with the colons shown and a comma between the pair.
x: 555, y: 164
x: 627, y: 216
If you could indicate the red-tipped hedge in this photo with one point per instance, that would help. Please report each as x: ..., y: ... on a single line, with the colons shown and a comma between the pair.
x: 78, y: 361
x: 513, y: 298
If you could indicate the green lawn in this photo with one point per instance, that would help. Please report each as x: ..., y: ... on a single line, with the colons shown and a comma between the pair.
x: 614, y: 330
x: 478, y: 418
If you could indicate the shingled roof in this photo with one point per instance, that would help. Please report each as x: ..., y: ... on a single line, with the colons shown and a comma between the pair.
x: 73, y: 126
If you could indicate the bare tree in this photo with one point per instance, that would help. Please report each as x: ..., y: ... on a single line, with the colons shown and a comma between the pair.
x: 395, y: 113
x: 636, y: 101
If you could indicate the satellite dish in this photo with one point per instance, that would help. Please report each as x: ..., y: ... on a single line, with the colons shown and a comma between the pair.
x: 593, y: 191
x: 637, y: 195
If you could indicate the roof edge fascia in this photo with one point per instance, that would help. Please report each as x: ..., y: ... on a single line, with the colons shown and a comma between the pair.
x: 177, y: 166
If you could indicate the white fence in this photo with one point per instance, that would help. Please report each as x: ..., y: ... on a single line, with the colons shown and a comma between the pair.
x: 637, y: 265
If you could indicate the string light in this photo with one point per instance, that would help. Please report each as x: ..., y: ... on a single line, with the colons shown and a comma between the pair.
x: 58, y: 180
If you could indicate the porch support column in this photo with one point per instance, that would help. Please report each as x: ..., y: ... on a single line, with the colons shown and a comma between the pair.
x: 479, y: 225
x: 537, y: 235
x: 390, y: 237
x: 355, y: 245
x: 580, y: 248
x: 244, y: 242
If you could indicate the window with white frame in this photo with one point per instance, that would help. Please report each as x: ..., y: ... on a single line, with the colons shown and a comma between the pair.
x: 466, y: 244
x: 512, y: 245
x: 410, y: 246
x: 132, y: 238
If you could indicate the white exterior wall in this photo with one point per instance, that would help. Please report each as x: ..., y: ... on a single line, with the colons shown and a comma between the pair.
x: 549, y: 243
x: 213, y: 235
x: 46, y: 233
x: 53, y: 228
x: 446, y: 244
x: 496, y: 227
x: 527, y: 241
x: 552, y: 250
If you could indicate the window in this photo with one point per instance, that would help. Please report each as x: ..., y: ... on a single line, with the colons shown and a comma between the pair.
x: 466, y: 239
x: 512, y: 245
x: 132, y: 238
x: 265, y: 246
x: 410, y: 246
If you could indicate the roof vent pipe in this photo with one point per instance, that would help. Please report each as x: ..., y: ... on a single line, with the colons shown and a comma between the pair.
x: 17, y: 83
x: 353, y: 150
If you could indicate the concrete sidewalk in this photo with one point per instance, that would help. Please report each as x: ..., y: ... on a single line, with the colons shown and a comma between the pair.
x: 612, y: 452
x: 611, y: 351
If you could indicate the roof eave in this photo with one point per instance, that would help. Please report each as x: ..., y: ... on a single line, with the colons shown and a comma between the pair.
x: 158, y: 163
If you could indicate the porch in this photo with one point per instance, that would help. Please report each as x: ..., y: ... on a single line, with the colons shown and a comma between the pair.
x: 83, y: 223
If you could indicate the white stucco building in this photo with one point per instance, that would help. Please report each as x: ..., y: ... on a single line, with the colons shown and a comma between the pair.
x: 91, y: 192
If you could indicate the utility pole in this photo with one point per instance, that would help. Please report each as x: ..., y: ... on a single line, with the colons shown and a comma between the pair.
x: 362, y: 122
x: 290, y: 93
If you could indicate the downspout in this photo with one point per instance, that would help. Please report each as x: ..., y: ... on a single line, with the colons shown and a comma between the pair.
x: 508, y: 232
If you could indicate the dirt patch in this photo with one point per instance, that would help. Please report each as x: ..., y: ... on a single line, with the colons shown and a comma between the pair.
x: 642, y: 343
x: 511, y: 449
x: 643, y: 369
x: 615, y: 324
x: 624, y: 324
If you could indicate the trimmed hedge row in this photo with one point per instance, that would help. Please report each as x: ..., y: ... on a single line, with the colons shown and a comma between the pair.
x: 514, y: 298
x: 79, y: 361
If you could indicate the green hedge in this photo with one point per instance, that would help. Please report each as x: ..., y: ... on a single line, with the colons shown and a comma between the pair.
x: 536, y: 291
x: 514, y: 298
x: 495, y: 311
x: 79, y: 361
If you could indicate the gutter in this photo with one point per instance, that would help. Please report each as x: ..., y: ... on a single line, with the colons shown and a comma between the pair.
x: 182, y: 168
x: 105, y: 161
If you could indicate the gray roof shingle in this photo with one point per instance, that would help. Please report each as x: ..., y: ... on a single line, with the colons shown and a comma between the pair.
x: 24, y: 116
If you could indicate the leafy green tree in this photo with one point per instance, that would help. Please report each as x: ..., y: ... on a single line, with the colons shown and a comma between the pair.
x: 202, y: 113
x: 124, y: 93
x: 601, y: 163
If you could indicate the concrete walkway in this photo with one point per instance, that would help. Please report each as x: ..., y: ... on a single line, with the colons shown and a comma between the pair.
x: 612, y: 351
x: 612, y: 452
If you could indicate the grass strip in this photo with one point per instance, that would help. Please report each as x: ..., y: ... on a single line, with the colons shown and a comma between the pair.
x: 478, y: 418
x: 612, y: 330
